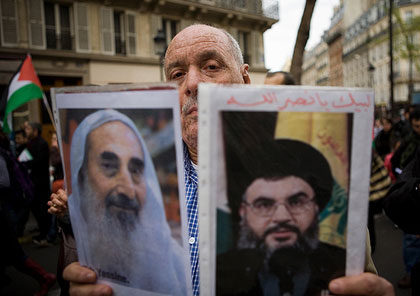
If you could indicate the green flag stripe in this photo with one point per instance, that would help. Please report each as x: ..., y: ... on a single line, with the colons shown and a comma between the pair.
x: 22, y: 95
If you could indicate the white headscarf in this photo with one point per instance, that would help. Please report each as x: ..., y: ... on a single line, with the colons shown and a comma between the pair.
x: 162, y: 267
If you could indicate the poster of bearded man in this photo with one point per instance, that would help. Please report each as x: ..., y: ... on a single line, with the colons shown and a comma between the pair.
x: 285, y: 187
x: 123, y: 164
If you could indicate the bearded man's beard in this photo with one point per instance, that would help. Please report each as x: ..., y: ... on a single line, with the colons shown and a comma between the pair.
x: 112, y: 235
x: 190, y: 123
x: 305, y: 242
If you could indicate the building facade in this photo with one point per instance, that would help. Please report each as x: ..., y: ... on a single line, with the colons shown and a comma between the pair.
x: 358, y: 46
x: 102, y: 42
x: 316, y: 65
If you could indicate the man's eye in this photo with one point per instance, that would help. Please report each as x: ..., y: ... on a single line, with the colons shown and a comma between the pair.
x: 109, y: 167
x: 263, y: 204
x: 295, y: 201
x: 211, y: 67
x: 176, y: 75
x: 136, y: 172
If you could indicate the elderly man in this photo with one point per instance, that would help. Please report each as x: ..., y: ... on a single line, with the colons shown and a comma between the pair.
x: 117, y: 210
x: 283, y: 185
x: 202, y: 53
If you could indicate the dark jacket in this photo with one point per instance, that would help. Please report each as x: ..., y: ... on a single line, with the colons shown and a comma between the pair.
x: 39, y: 166
x: 402, y: 203
x: 239, y: 271
x: 405, y: 153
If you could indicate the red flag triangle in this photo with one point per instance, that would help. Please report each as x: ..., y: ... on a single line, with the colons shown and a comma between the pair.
x: 27, y: 72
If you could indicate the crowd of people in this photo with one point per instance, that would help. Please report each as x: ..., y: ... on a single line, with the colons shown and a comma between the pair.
x: 396, y: 146
x: 197, y: 54
x: 29, y: 170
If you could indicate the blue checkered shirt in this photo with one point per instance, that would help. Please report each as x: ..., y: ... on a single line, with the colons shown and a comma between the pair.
x: 191, y: 195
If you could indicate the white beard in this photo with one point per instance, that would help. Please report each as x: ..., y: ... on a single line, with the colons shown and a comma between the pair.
x: 113, y: 246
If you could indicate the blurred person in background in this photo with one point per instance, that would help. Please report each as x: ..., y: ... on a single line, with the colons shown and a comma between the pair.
x: 402, y: 205
x: 11, y: 253
x: 40, y: 175
x: 383, y: 139
x: 403, y: 156
x: 20, y: 141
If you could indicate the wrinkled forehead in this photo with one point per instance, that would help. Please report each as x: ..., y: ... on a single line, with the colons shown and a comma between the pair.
x: 196, y: 37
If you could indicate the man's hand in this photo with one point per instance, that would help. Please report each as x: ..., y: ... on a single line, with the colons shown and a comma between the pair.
x: 58, y: 203
x: 83, y: 281
x: 363, y: 284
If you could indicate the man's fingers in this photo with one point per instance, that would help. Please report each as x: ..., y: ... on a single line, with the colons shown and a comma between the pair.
x: 362, y: 284
x: 91, y: 290
x: 79, y: 274
x: 82, y: 281
x: 62, y: 195
x: 53, y: 195
x: 57, y: 203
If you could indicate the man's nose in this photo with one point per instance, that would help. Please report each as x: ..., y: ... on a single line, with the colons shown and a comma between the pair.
x: 192, y: 79
x: 281, y: 214
x: 126, y: 184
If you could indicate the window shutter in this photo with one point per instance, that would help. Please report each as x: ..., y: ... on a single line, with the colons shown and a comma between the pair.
x: 131, y: 34
x: 81, y: 21
x: 9, y: 30
x: 36, y: 24
x: 107, y: 30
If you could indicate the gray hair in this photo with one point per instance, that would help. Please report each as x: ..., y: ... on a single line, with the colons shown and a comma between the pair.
x: 235, y: 48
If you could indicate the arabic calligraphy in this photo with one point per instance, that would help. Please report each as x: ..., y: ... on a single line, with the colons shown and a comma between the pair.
x: 328, y: 140
x: 287, y: 103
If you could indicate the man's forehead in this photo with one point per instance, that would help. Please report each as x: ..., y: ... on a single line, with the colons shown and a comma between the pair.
x: 195, y: 37
x: 282, y: 184
x: 114, y: 133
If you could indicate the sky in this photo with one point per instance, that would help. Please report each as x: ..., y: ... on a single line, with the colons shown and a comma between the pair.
x: 279, y: 41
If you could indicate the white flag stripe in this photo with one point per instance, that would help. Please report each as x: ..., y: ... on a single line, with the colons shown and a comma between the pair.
x: 15, y: 85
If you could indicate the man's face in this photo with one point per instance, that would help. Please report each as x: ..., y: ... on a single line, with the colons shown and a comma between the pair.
x: 29, y: 131
x: 281, y: 228
x: 115, y: 165
x: 386, y: 125
x: 415, y: 124
x: 200, y: 54
x: 20, y: 139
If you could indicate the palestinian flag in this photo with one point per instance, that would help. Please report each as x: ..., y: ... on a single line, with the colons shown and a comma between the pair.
x: 24, y: 86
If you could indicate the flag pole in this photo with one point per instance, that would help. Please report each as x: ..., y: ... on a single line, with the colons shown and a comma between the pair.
x: 47, y: 106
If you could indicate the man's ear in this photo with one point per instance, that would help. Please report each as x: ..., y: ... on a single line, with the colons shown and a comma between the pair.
x: 245, y: 74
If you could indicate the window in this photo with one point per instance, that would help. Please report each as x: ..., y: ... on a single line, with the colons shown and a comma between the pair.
x: 36, y: 24
x: 131, y: 34
x: 170, y: 29
x: 119, y: 33
x: 81, y: 21
x: 408, y: 16
x: 118, y: 30
x: 58, y: 26
x: 9, y: 29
